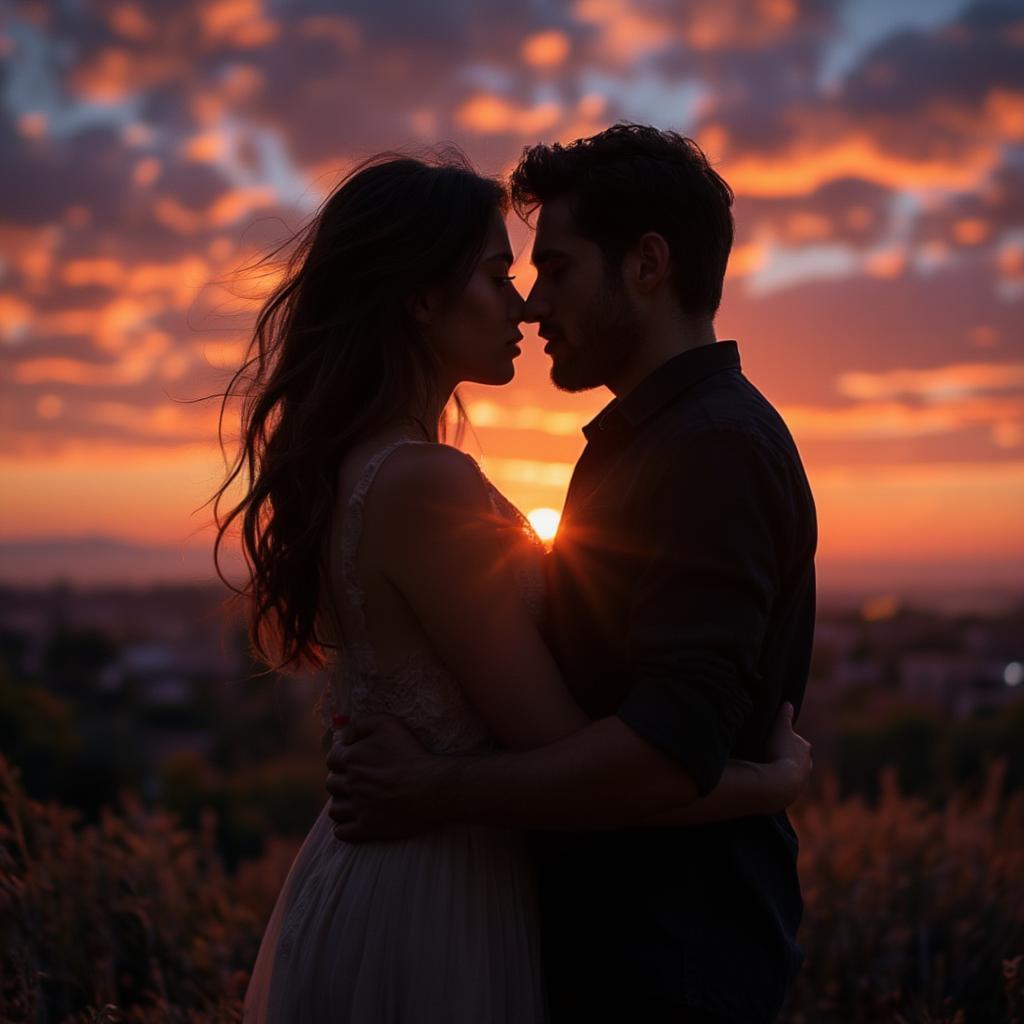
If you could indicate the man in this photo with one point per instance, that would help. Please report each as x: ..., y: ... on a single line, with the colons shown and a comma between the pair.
x: 680, y: 606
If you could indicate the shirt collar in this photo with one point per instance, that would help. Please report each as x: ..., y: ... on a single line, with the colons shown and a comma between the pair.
x: 668, y: 381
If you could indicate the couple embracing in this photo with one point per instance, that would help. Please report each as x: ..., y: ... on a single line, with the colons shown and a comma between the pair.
x: 558, y: 780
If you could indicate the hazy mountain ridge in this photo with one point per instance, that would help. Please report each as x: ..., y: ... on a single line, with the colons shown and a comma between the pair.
x: 102, y: 560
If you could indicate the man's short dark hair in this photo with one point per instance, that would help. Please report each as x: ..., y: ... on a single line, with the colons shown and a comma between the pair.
x: 631, y: 179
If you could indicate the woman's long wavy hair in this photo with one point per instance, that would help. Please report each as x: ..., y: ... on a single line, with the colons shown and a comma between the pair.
x: 335, y: 355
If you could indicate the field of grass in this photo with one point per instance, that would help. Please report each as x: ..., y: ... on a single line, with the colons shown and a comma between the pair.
x: 914, y: 912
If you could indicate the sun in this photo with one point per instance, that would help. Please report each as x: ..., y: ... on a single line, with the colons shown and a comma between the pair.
x: 545, y: 522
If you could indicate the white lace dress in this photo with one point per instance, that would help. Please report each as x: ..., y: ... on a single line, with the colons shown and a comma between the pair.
x: 436, y: 928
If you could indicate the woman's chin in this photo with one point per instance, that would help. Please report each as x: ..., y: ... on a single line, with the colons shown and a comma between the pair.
x: 497, y: 375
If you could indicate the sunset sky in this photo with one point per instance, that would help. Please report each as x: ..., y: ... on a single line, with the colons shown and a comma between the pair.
x: 876, y: 288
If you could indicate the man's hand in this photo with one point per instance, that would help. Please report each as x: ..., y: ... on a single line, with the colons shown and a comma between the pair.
x: 788, y: 755
x: 383, y: 784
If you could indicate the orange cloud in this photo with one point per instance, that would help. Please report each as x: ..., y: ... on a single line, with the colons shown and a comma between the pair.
x: 173, y: 214
x: 971, y: 230
x: 492, y: 415
x: 591, y: 105
x: 132, y: 366
x: 81, y: 273
x: 508, y: 473
x: 1010, y: 259
x: 121, y: 326
x: 623, y: 33
x: 49, y: 407
x: 488, y: 114
x: 178, y: 281
x: 804, y: 226
x: 33, y: 125
x: 810, y: 164
x: 207, y: 147
x: 166, y: 420
x: 241, y: 82
x: 61, y: 370
x: 546, y: 49
x: 1008, y: 434
x: 738, y: 23
x: 224, y: 355
x: 114, y: 73
x: 746, y: 259
x: 1005, y: 111
x: 239, y: 203
x: 628, y: 31
x: 895, y: 420
x: 15, y: 317
x: 108, y: 77
x: 889, y: 262
x: 146, y: 171
x: 238, y: 23
x: 945, y: 382
x: 225, y: 210
x: 127, y: 20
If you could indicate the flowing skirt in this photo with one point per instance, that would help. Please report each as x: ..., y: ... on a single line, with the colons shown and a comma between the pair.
x: 437, y: 928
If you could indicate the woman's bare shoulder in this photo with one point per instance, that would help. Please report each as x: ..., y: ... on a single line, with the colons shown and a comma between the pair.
x: 434, y: 476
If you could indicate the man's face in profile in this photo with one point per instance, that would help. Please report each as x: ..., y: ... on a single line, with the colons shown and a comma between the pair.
x: 581, y: 308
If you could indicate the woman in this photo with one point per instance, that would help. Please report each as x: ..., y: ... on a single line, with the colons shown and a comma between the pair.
x: 397, y: 292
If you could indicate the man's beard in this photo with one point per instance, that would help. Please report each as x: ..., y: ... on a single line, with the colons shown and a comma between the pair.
x: 608, y: 336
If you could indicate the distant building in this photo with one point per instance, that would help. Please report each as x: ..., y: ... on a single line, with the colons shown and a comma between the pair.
x: 959, y: 684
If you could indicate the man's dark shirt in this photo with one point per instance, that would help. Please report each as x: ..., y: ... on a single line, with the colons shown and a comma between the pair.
x: 681, y: 598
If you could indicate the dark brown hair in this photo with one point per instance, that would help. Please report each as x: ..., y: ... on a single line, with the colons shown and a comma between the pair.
x: 631, y: 179
x: 336, y: 354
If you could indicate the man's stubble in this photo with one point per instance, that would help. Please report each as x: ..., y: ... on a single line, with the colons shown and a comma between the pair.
x: 609, y: 334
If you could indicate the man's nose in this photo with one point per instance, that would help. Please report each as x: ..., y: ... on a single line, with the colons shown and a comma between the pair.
x: 516, y: 307
x: 535, y: 308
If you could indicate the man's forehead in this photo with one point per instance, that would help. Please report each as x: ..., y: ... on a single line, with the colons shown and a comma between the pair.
x: 556, y: 232
x: 554, y: 219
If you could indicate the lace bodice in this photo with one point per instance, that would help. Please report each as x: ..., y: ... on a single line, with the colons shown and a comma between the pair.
x: 422, y: 692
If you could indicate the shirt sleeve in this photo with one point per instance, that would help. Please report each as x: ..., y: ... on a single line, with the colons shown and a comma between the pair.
x: 702, y: 602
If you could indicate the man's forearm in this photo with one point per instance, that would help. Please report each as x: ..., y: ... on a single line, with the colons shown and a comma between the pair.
x: 746, y: 788
x: 604, y: 776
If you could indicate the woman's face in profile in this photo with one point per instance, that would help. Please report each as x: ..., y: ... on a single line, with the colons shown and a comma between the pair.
x: 476, y: 335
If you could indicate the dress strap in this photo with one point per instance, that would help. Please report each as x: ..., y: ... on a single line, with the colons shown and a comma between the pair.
x: 351, y: 533
x: 352, y: 520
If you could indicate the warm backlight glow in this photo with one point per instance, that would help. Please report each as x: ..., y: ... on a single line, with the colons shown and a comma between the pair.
x: 545, y: 522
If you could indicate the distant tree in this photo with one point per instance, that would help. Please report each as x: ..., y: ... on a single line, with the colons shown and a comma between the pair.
x: 13, y: 648
x: 39, y: 734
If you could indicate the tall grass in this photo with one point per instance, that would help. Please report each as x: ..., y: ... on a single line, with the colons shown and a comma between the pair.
x: 913, y: 914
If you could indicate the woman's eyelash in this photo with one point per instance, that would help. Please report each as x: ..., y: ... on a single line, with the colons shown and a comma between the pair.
x: 507, y: 277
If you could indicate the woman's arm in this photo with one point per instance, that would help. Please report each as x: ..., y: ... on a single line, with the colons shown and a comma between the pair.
x: 447, y: 554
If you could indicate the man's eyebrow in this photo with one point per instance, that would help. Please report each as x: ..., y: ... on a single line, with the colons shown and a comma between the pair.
x: 537, y: 258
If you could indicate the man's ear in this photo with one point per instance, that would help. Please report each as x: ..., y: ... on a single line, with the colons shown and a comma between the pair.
x: 649, y: 262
